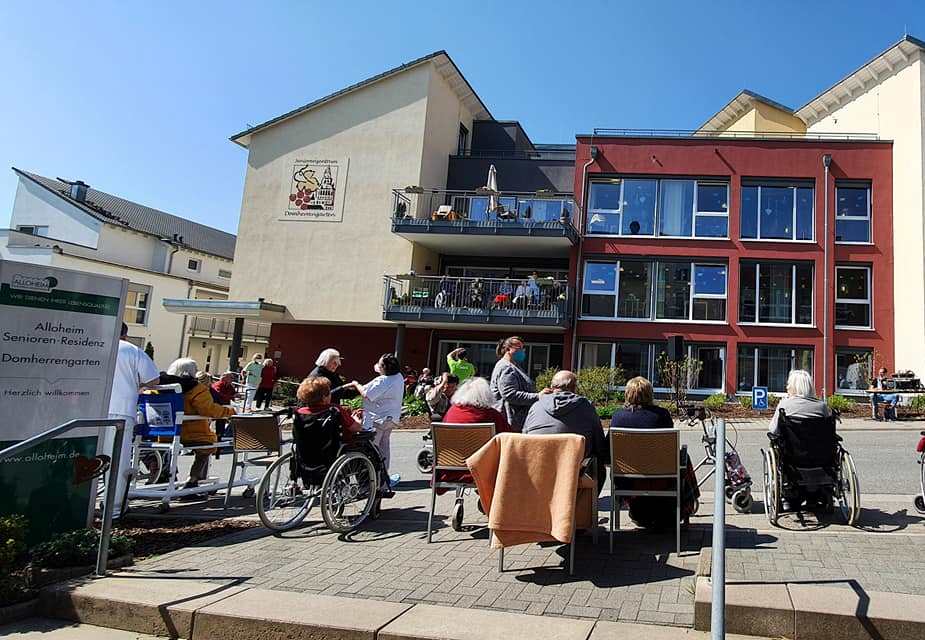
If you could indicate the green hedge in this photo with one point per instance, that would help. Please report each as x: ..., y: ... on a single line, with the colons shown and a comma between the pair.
x: 77, y: 549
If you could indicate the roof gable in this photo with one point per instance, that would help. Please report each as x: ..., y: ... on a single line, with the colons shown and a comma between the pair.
x: 441, y: 60
x: 741, y: 104
x: 125, y: 213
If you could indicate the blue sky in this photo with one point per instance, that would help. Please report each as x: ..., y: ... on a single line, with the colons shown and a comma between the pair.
x: 139, y: 98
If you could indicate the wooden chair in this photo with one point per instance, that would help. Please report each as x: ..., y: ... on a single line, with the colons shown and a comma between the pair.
x: 257, y: 434
x: 645, y: 454
x: 453, y: 443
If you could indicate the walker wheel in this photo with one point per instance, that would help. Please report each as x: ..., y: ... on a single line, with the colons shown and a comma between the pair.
x: 457, y: 518
x: 919, y: 504
x: 696, y: 507
x: 249, y: 492
x: 742, y: 500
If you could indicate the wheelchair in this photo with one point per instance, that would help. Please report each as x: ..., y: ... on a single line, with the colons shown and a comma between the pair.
x: 345, y: 476
x: 807, y: 461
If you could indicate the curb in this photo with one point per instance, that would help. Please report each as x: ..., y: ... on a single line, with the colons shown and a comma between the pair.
x: 199, y: 610
x: 812, y: 612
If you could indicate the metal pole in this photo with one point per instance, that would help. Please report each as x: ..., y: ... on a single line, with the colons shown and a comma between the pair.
x: 102, y: 557
x: 237, y: 337
x: 718, y: 570
x: 826, y: 162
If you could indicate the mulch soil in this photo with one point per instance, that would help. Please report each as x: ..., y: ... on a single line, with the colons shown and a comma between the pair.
x: 156, y: 536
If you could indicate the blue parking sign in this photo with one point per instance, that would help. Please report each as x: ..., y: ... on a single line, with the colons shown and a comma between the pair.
x: 759, y: 397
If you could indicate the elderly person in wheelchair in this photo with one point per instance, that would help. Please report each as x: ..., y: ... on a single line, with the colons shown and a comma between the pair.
x: 806, y: 466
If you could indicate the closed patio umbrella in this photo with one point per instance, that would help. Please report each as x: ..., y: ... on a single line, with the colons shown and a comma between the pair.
x: 492, y: 186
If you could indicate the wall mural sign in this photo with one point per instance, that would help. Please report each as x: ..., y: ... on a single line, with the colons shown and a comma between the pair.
x: 316, y: 190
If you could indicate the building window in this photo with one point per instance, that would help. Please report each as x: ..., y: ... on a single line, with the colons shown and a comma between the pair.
x: 193, y: 265
x: 650, y: 207
x: 462, y: 143
x: 641, y: 359
x: 776, y: 293
x: 852, y: 297
x: 137, y: 301
x: 777, y: 212
x: 853, y: 369
x: 852, y: 213
x: 770, y: 366
x: 224, y: 273
x: 624, y: 290
x: 33, y: 229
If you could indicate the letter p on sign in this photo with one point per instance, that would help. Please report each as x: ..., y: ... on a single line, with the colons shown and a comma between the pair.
x: 759, y: 397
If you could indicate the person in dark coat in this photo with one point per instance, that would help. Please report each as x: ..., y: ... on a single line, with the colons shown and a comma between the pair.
x: 513, y: 388
x: 326, y: 366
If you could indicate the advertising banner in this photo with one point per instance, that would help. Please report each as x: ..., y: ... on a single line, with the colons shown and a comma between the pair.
x: 59, y: 337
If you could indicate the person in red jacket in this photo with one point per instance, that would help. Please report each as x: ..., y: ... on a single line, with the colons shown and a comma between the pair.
x: 267, y: 380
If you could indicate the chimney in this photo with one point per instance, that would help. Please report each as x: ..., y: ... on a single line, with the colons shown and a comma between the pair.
x: 78, y: 191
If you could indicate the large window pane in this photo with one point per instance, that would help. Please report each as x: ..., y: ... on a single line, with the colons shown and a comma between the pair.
x: 673, y: 291
x: 852, y: 214
x: 851, y: 283
x: 598, y: 306
x: 639, y: 207
x: 676, y: 207
x: 775, y: 287
x: 745, y: 368
x: 803, y: 359
x: 851, y: 201
x: 634, y: 290
x: 852, y: 315
x: 853, y: 369
x: 711, y: 226
x: 709, y: 309
x: 633, y: 357
x: 709, y: 279
x: 711, y: 369
x: 747, y: 292
x: 852, y: 297
x: 595, y: 354
x: 600, y: 276
x: 605, y: 202
x: 774, y: 365
x: 713, y: 198
x: 852, y: 230
x: 804, y: 291
x: 776, y: 212
x: 805, y: 197
x: 749, y: 212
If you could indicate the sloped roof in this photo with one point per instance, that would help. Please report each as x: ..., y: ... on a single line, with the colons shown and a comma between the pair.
x: 868, y: 74
x: 736, y: 108
x: 115, y: 210
x: 445, y: 66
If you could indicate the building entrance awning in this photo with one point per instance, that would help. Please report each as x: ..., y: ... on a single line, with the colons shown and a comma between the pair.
x: 250, y: 309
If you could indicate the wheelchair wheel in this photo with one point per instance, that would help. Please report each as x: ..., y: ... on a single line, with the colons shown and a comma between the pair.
x: 282, y: 503
x: 426, y: 460
x: 849, y: 498
x: 349, y: 492
x: 771, y: 486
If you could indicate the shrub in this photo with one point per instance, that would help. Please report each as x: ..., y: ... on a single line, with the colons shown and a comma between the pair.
x: 12, y: 541
x: 412, y: 406
x: 284, y: 390
x: 716, y: 401
x: 353, y: 403
x: 917, y: 403
x: 544, y: 378
x: 606, y: 411
x: 746, y: 402
x: 77, y: 549
x: 840, y: 403
x: 598, y: 384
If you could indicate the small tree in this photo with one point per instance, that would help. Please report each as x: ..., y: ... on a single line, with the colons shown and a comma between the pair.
x: 678, y: 376
x: 599, y: 384
x: 149, y: 349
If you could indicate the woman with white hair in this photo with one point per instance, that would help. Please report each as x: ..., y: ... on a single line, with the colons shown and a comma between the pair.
x: 474, y: 402
x: 326, y: 366
x: 197, y: 401
x: 800, y: 401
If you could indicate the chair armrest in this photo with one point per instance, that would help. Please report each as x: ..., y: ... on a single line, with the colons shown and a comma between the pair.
x: 586, y: 463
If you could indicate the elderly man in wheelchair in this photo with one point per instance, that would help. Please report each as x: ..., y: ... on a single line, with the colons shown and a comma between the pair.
x: 806, y: 468
x: 333, y: 462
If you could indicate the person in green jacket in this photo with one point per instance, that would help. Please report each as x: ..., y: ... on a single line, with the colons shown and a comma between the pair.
x: 458, y: 362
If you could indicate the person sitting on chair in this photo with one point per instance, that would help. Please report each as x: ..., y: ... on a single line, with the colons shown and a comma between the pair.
x: 890, y: 399
x: 314, y: 396
x: 439, y: 396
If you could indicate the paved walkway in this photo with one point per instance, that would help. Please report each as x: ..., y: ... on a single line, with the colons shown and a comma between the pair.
x: 642, y: 581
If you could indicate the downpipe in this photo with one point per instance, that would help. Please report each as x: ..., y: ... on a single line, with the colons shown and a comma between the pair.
x: 579, y: 271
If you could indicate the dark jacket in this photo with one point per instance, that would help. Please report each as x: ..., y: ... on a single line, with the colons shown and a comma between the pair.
x: 514, y: 392
x: 336, y: 381
x: 647, y: 417
x: 567, y: 412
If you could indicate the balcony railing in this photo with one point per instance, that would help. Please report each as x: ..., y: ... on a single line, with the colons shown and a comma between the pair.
x: 533, y: 302
x: 205, y: 327
x: 483, y: 212
x: 699, y: 133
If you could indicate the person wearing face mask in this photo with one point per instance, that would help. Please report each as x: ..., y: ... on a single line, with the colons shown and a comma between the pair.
x: 514, y: 391
x: 382, y: 400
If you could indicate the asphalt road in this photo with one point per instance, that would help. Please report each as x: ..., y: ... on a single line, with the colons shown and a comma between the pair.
x: 885, y: 459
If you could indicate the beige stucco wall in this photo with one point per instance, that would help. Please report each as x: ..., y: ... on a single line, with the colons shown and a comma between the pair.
x: 893, y: 109
x: 332, y: 271
x: 745, y: 122
x: 772, y: 119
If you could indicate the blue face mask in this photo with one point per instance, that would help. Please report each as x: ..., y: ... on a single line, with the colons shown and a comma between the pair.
x: 519, y: 356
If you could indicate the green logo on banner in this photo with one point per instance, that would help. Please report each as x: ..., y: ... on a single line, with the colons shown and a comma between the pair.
x: 60, y: 300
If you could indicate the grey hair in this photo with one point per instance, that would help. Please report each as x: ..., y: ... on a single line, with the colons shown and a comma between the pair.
x: 183, y: 367
x: 474, y: 392
x: 325, y: 357
x: 800, y: 383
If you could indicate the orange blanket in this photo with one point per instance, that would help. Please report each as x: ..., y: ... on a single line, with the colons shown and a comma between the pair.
x: 527, y: 485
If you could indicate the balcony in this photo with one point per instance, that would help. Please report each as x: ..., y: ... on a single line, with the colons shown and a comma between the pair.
x: 483, y: 222
x: 223, y: 329
x: 544, y: 302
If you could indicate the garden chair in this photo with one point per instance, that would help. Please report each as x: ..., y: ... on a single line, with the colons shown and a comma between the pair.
x: 253, y: 434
